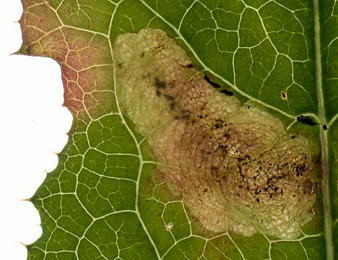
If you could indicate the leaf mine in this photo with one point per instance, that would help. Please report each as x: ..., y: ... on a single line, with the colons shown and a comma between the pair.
x: 236, y: 166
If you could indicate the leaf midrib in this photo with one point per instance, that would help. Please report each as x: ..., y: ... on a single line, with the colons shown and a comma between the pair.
x: 323, y: 137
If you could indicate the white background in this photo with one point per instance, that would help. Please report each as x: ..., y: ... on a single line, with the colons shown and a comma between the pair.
x: 32, y: 130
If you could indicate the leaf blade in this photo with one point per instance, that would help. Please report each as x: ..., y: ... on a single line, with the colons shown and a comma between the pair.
x: 91, y: 105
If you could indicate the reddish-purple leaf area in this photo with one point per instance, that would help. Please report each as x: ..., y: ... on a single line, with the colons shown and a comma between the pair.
x: 84, y: 58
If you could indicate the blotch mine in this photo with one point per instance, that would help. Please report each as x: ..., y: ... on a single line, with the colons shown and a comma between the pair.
x: 235, y: 165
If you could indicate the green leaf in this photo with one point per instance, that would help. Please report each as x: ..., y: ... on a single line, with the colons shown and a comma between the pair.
x: 103, y: 201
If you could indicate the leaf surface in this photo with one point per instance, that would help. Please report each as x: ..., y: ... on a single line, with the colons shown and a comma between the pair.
x: 103, y: 200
